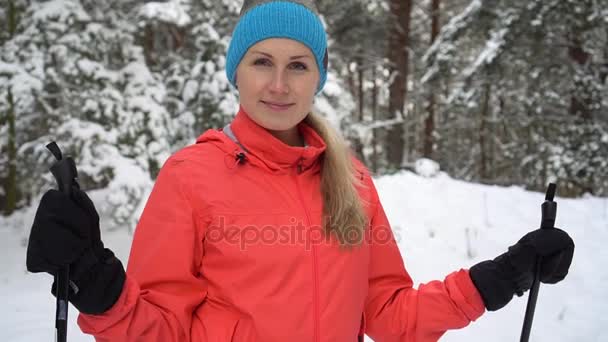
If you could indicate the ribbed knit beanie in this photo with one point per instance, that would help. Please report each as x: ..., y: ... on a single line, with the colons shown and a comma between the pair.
x: 263, y: 19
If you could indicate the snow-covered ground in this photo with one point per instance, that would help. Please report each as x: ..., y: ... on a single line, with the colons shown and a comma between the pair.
x: 441, y: 225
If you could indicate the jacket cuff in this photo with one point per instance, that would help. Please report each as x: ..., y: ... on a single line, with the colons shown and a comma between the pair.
x: 465, y: 294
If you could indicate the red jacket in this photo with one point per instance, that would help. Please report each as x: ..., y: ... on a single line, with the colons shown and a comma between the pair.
x: 229, y: 249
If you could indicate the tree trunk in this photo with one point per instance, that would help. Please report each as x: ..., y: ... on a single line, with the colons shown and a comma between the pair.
x: 149, y: 40
x: 483, y: 134
x: 429, y: 123
x: 12, y: 19
x: 350, y: 80
x: 374, y: 118
x: 579, y: 103
x: 398, y: 55
x: 360, y: 92
x: 11, y: 180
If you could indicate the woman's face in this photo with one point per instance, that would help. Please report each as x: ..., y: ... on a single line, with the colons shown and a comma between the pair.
x: 277, y: 80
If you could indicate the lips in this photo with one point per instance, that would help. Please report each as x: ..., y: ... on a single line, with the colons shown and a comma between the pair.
x: 277, y: 105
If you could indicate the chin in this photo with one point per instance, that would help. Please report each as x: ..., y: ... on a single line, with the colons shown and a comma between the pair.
x: 278, y: 126
x: 272, y: 122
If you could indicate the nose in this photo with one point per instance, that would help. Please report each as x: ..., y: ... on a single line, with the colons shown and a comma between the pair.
x: 278, y: 84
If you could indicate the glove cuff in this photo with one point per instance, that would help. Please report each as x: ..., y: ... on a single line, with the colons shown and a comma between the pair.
x: 497, y: 281
x: 95, y: 283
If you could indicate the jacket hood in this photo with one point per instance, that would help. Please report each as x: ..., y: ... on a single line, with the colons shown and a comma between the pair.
x: 263, y: 149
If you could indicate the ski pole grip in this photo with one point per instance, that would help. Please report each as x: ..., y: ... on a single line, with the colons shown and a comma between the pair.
x: 549, y: 208
x: 64, y: 169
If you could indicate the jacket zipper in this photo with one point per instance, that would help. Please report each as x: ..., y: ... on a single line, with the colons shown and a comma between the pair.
x: 315, y: 269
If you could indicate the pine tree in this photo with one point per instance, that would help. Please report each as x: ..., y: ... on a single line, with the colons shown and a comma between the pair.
x: 190, y: 61
x: 96, y: 97
x: 520, y: 78
x: 20, y: 80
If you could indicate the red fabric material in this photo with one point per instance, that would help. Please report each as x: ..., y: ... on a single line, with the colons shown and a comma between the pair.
x: 233, y: 252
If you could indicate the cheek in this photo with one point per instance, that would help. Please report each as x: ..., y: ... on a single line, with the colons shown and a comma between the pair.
x: 247, y: 79
x: 309, y: 87
x: 307, y: 91
x: 248, y: 89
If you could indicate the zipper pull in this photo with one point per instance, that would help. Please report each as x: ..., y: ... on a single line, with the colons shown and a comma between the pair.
x: 299, y: 167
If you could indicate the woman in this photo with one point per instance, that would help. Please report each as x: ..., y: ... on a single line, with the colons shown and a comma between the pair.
x: 268, y: 230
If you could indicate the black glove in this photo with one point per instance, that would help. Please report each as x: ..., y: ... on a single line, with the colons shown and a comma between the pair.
x: 513, y: 272
x: 66, y: 232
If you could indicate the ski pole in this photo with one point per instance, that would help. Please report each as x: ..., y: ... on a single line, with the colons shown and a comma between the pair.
x: 549, y: 210
x: 64, y: 171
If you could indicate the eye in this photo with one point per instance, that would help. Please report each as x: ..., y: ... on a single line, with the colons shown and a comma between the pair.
x: 262, y: 62
x: 298, y: 66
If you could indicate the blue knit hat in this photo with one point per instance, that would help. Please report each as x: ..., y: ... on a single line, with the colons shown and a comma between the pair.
x: 263, y: 19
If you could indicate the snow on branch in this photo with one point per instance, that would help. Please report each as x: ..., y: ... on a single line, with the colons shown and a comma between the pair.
x: 443, y: 48
x: 172, y: 12
x: 494, y: 45
x: 59, y: 10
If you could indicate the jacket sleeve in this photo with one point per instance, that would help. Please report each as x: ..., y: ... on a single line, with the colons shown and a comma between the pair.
x: 394, y: 310
x: 162, y: 288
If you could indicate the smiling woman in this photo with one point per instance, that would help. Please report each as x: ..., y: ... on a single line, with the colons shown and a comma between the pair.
x: 269, y: 229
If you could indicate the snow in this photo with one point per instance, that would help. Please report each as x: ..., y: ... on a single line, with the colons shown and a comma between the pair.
x: 60, y: 11
x: 190, y: 91
x: 489, y: 53
x: 333, y: 103
x: 96, y: 70
x: 426, y: 167
x: 441, y: 225
x: 431, y: 218
x: 21, y: 82
x: 169, y: 12
x: 210, y: 32
x: 442, y: 50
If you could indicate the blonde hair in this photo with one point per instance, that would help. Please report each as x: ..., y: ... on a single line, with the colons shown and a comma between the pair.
x: 343, y: 213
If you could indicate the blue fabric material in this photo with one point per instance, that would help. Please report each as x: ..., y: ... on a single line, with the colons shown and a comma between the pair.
x: 278, y: 19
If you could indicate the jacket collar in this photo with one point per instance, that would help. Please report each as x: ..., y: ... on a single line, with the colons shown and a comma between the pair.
x: 264, y: 148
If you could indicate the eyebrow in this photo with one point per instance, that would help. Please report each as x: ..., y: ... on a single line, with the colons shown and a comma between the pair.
x: 291, y: 58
